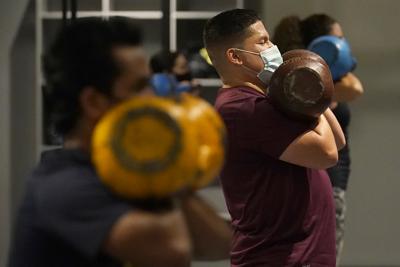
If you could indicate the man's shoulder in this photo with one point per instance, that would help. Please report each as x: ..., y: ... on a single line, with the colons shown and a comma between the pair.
x: 56, y: 186
x: 62, y: 171
x: 239, y: 100
x: 239, y: 92
x: 246, y: 104
x: 63, y: 168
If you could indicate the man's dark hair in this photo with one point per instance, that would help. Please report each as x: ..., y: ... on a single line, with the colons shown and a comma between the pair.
x: 315, y: 26
x: 81, y: 56
x: 228, y: 26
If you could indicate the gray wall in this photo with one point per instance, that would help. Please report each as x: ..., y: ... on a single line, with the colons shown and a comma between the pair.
x: 11, y: 13
x: 373, y: 233
x: 22, y: 99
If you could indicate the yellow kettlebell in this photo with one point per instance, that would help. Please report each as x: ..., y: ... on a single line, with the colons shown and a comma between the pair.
x: 211, y: 136
x: 146, y: 148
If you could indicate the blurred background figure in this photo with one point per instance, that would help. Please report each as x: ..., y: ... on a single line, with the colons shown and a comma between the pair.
x: 94, y: 67
x: 171, y: 73
x: 323, y: 35
x: 199, y: 62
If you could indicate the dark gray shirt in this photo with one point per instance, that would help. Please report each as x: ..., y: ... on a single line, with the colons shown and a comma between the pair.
x: 65, y: 215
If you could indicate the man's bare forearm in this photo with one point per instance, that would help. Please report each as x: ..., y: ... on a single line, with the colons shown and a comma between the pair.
x: 336, y: 129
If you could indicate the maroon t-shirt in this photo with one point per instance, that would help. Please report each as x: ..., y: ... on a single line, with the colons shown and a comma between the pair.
x: 282, y: 214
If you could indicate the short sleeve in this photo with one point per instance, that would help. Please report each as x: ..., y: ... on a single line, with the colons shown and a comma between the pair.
x: 266, y: 130
x: 75, y: 207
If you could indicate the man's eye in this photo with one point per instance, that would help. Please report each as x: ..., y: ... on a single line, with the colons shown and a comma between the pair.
x: 264, y: 41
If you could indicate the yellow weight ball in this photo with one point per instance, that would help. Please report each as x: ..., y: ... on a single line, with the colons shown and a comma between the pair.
x: 211, y: 137
x: 146, y: 148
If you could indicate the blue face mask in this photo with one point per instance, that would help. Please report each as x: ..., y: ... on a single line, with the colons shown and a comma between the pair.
x: 271, y: 57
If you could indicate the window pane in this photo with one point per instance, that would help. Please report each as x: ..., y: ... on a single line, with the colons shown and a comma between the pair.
x: 135, y: 5
x: 190, y: 33
x: 86, y: 5
x: 205, y: 5
x: 151, y: 35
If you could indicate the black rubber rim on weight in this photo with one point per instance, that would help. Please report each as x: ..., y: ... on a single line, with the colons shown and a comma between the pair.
x: 151, y: 166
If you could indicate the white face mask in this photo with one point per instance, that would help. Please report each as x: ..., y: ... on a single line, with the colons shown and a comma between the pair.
x: 271, y: 57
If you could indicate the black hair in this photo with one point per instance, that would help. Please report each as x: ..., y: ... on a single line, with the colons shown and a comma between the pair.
x: 315, y: 26
x: 228, y: 26
x: 163, y: 61
x: 81, y: 56
x: 294, y: 33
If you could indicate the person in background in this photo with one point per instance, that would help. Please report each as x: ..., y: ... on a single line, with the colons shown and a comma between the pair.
x: 68, y: 217
x: 274, y: 180
x: 295, y: 33
x: 176, y: 65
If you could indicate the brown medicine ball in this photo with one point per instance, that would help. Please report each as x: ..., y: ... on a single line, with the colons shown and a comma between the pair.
x: 302, y: 86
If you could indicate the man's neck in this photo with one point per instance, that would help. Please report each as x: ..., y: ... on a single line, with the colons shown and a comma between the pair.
x: 246, y: 84
x: 73, y: 143
x: 78, y: 139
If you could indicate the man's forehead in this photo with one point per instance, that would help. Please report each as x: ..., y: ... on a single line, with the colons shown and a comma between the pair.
x: 126, y: 51
x: 258, y: 29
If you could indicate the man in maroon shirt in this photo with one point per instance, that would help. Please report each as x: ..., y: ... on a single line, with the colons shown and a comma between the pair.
x: 274, y: 181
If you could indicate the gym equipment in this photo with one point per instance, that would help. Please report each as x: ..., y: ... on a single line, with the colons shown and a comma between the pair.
x: 153, y: 147
x: 337, y: 54
x: 166, y: 85
x: 211, y: 134
x: 145, y: 148
x: 302, y: 86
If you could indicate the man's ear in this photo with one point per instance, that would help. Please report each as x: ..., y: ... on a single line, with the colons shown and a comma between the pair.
x: 233, y: 56
x: 93, y: 103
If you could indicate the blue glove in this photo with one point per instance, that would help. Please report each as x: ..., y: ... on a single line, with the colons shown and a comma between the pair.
x: 165, y: 84
x: 337, y: 54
